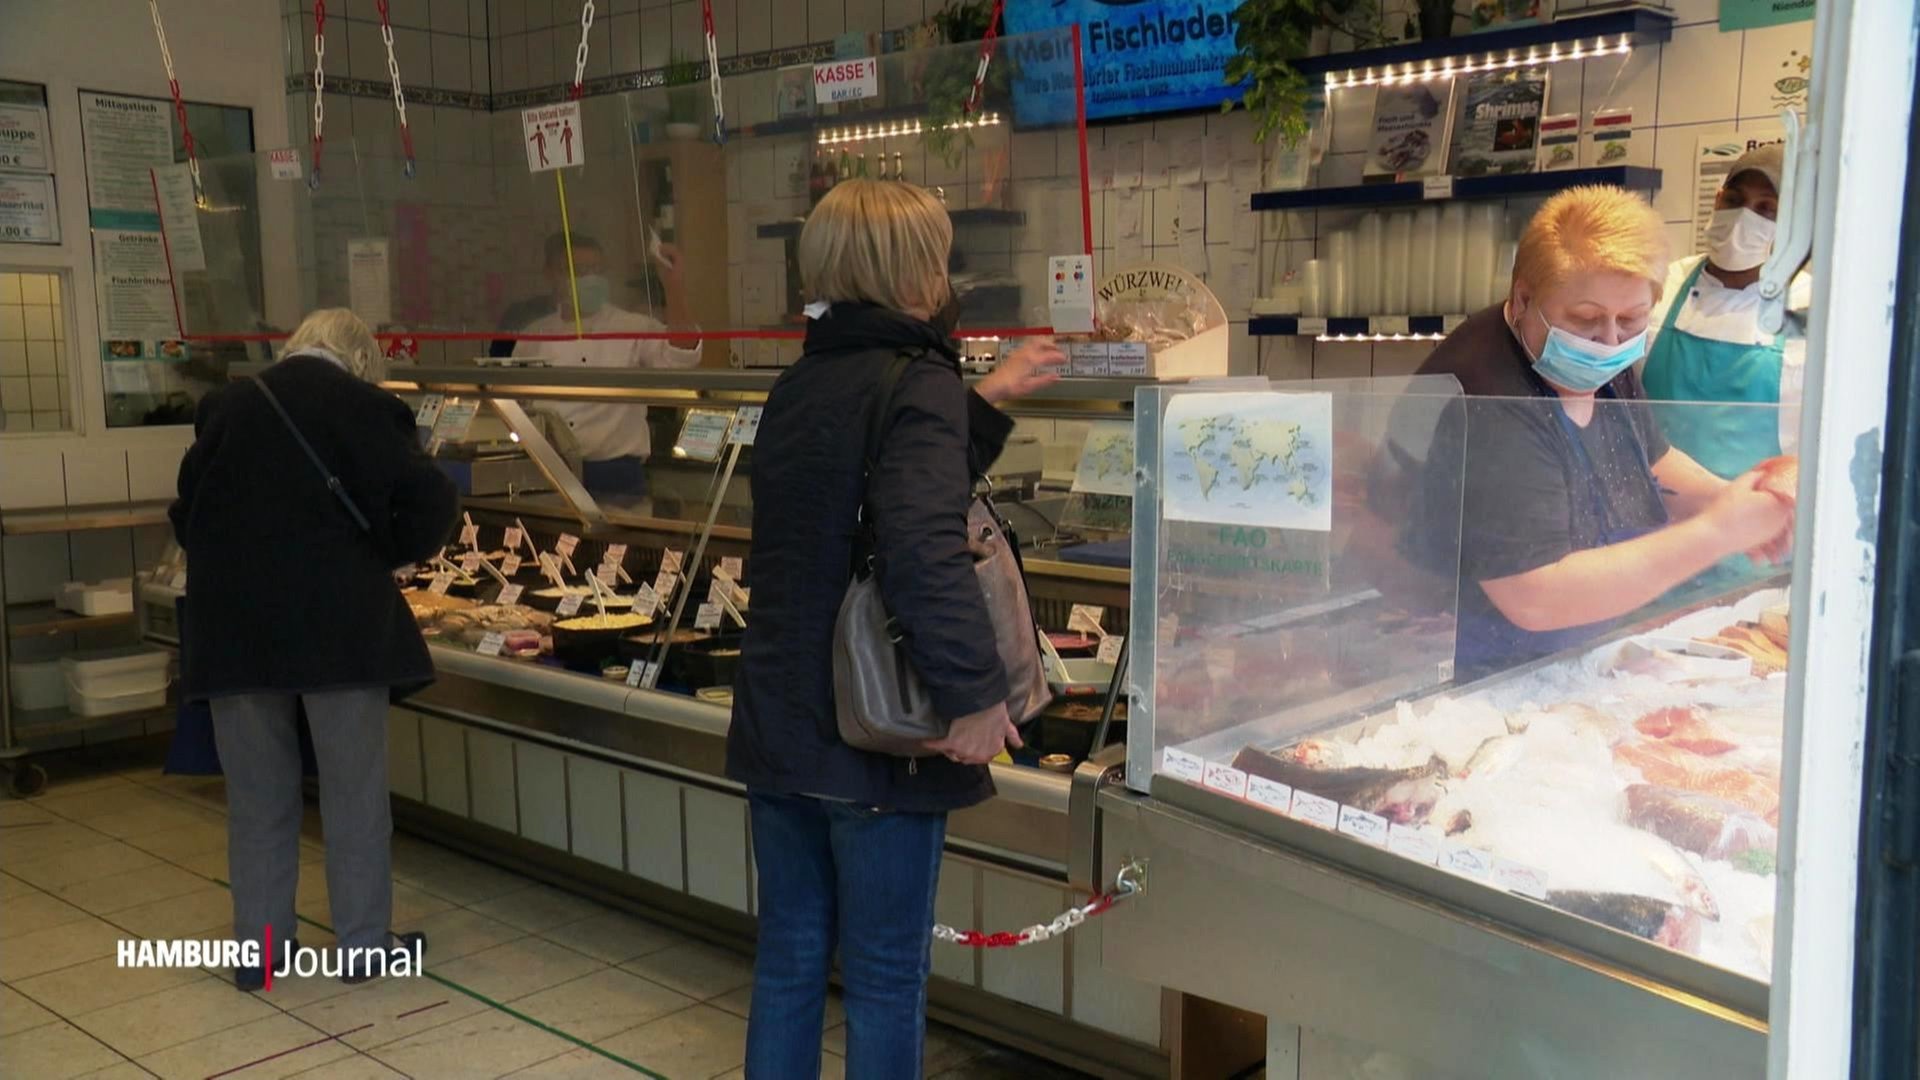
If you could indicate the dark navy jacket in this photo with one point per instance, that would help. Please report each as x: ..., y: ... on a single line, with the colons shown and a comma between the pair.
x: 807, y: 481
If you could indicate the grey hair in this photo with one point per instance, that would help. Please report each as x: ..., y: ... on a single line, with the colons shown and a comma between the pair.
x: 340, y: 332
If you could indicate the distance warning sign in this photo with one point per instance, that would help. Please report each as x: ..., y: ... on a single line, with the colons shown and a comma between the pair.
x: 552, y: 136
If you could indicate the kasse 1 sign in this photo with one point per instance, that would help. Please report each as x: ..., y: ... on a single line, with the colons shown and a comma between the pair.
x: 846, y: 80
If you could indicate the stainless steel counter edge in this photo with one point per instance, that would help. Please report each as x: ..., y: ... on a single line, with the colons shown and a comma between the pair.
x: 701, y: 380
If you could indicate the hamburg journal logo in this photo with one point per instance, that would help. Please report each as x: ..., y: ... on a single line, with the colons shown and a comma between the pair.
x: 288, y: 958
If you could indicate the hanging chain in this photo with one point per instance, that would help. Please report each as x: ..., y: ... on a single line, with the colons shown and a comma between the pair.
x: 179, y: 105
x: 580, y: 53
x: 986, y: 57
x: 713, y: 74
x: 1128, y: 883
x: 319, y: 87
x: 399, y: 97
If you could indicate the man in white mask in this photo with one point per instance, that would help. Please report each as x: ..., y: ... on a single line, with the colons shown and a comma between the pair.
x: 614, y: 440
x: 1709, y: 345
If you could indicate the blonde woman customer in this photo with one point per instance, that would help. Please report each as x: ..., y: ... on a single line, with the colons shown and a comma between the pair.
x: 291, y: 605
x: 848, y: 843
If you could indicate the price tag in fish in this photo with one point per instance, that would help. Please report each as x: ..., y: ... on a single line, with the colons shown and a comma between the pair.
x: 648, y: 600
x: 1415, y: 842
x: 569, y: 605
x: 1110, y: 649
x: 1271, y: 794
x: 510, y: 565
x: 671, y: 560
x: 469, y: 563
x: 429, y: 411
x: 1314, y: 810
x: 1519, y: 878
x: 1225, y: 779
x: 1466, y: 861
x: 707, y: 617
x: 509, y: 596
x: 1357, y: 823
x: 492, y: 644
x: 511, y: 539
x: 566, y: 545
x: 441, y: 582
x: 1086, y: 619
x: 732, y: 566
x: 1182, y: 766
x: 469, y: 535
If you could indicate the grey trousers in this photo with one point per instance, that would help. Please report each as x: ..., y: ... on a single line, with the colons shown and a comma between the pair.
x: 260, y: 754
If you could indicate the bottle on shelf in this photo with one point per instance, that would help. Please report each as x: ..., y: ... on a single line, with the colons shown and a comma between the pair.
x: 899, y: 166
x: 663, y: 213
x: 846, y: 165
x: 861, y: 169
x: 819, y: 177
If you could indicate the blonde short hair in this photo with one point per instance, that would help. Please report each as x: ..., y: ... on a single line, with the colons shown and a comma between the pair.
x: 880, y: 242
x: 1587, y: 229
x: 341, y: 333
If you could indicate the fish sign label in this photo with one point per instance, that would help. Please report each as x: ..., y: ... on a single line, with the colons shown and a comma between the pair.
x: 552, y: 136
x: 1413, y: 842
x: 1225, y: 779
x: 1271, y: 794
x: 1357, y: 823
x: 846, y: 80
x: 1314, y: 810
x: 1181, y: 765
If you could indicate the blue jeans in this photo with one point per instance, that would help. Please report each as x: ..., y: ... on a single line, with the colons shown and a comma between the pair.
x: 832, y: 874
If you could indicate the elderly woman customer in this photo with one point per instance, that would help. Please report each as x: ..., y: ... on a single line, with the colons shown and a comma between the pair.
x: 291, y: 604
x: 848, y: 843
x: 1569, y: 507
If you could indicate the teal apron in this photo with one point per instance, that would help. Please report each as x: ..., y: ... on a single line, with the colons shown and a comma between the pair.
x: 1684, y: 367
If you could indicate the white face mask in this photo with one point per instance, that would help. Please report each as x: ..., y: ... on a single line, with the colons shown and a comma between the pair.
x: 1738, y: 239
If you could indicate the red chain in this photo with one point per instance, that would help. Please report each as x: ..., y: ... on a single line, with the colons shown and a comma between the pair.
x: 180, y: 110
x: 319, y: 38
x: 986, y: 55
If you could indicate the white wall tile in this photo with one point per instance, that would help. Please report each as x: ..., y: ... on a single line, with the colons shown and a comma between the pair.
x: 902, y: 13
x: 1772, y: 58
x: 450, y: 17
x: 1625, y: 82
x: 826, y: 19
x: 1674, y: 150
x: 1286, y: 358
x: 540, y: 70
x: 1342, y: 360
x: 511, y: 15
x: 753, y: 25
x: 656, y: 37
x: 451, y: 59
x: 688, y: 39
x: 726, y: 23
x: 1699, y: 76
x: 625, y: 33
x: 513, y: 62
x: 865, y: 16
x: 1690, y: 12
x: 366, y: 56
x: 95, y: 477
x: 789, y: 23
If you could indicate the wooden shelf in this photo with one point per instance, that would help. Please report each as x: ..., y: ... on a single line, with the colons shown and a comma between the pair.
x: 1537, y: 43
x: 44, y: 620
x: 61, y: 519
x: 1517, y: 185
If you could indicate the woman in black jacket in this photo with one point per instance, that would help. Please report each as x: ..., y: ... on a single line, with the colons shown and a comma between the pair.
x: 848, y: 843
x: 291, y: 606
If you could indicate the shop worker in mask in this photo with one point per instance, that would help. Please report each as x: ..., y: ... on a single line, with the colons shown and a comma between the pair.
x: 614, y: 440
x: 1570, y: 508
x: 1708, y: 344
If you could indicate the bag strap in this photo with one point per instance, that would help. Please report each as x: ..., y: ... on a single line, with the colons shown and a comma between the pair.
x: 333, y: 482
x: 878, y: 408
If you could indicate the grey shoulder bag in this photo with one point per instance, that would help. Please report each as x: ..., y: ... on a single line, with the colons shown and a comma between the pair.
x: 333, y: 482
x: 880, y: 703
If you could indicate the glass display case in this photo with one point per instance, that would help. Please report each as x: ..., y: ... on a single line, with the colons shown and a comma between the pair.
x: 1326, y: 669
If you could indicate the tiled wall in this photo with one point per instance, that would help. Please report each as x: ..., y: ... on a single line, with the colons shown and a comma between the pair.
x: 35, y: 389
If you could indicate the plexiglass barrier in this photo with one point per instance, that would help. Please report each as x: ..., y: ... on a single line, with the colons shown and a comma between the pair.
x: 629, y: 226
x: 1536, y: 647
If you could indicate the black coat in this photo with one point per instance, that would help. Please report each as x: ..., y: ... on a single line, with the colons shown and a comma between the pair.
x: 284, y: 590
x: 807, y: 481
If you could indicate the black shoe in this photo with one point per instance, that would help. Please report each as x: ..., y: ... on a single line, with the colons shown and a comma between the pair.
x: 402, y: 945
x: 249, y: 979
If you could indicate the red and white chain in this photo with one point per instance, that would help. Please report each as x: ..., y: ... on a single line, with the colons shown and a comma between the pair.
x: 580, y: 53
x: 986, y: 56
x: 399, y: 97
x: 179, y: 105
x: 713, y: 73
x: 1126, y: 884
x: 319, y: 87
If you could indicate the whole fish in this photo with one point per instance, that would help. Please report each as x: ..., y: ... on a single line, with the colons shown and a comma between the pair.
x: 1400, y: 795
x: 1700, y: 823
x: 1662, y: 922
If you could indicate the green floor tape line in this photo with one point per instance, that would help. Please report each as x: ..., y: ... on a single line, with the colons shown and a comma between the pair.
x: 492, y: 1004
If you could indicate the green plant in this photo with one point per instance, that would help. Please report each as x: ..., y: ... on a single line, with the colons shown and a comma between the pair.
x: 1269, y: 36
x: 946, y: 79
x: 683, y: 100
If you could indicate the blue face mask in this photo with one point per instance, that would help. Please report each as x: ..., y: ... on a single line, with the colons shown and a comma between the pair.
x: 594, y: 292
x: 1583, y: 366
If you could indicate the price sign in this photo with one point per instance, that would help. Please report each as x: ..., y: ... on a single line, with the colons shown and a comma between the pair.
x: 284, y: 163
x: 671, y: 560
x: 664, y: 583
x: 1225, y: 778
x: 608, y: 575
x: 1415, y: 842
x: 1314, y: 327
x: 746, y: 425
x: 566, y: 545
x: 1316, y: 811
x: 703, y: 434
x: 429, y: 412
x: 1128, y: 359
x: 636, y: 672
x: 1450, y: 323
x: 707, y: 617
x: 509, y: 596
x: 1086, y: 619
x: 1110, y: 649
x: 469, y: 535
x: 510, y: 565
x: 615, y: 553
x: 512, y: 538
x: 1371, y: 828
x: 1182, y: 766
x: 1519, y: 878
x: 492, y: 644
x: 1466, y: 861
x: 1436, y: 187
x: 1271, y: 794
x: 716, y: 590
x: 1390, y: 324
x: 455, y: 420
x: 647, y: 600
x: 569, y: 605
x: 732, y: 567
x: 441, y: 582
x: 550, y: 566
x: 469, y: 563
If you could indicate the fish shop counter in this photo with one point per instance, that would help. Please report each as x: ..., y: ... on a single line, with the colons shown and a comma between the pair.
x: 1566, y: 869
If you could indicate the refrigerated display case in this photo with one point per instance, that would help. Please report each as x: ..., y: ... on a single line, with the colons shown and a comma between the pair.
x: 1565, y: 867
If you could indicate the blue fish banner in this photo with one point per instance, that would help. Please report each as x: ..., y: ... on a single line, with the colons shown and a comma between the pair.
x: 1140, y: 56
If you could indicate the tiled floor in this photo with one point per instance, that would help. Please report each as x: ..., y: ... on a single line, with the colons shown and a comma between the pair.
x: 525, y: 980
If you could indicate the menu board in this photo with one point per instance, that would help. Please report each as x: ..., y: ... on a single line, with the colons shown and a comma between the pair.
x: 126, y: 138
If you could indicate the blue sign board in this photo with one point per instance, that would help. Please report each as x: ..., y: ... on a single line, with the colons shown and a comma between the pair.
x: 1139, y: 56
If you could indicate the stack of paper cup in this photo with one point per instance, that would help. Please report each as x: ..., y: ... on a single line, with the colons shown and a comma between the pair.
x: 1340, y: 273
x: 1421, y: 264
x: 1395, y: 298
x: 1313, y: 288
